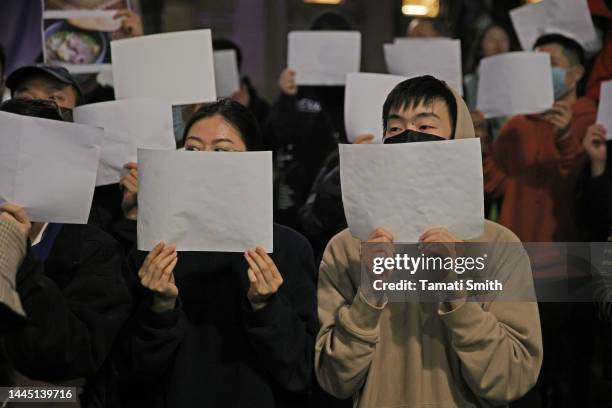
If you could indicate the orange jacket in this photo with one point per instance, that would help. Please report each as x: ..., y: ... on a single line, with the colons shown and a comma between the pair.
x: 536, y: 174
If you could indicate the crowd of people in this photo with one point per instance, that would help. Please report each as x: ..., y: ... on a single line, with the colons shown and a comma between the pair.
x: 80, y: 306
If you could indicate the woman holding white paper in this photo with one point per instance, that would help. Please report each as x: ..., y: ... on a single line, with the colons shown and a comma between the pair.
x: 220, y: 329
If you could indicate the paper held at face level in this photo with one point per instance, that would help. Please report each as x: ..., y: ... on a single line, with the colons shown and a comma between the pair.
x: 515, y: 83
x: 205, y: 201
x: 567, y: 17
x: 604, y: 113
x: 128, y: 124
x: 175, y: 66
x: 323, y: 57
x: 48, y: 167
x: 363, y: 102
x: 410, y: 188
x: 227, y: 79
x: 440, y: 57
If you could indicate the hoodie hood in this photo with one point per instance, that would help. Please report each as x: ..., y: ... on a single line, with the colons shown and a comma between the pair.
x: 464, y: 128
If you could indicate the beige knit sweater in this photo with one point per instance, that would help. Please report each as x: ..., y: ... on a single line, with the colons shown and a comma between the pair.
x: 420, y: 355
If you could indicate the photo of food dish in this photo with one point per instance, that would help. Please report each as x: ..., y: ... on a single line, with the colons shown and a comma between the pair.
x: 67, y: 44
x: 86, y: 4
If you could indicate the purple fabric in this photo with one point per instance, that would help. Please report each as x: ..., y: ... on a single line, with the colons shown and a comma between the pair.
x: 21, y: 32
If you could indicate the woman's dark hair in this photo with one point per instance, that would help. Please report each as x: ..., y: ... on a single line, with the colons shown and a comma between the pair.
x: 39, y: 108
x: 476, y: 52
x: 236, y: 115
x: 414, y: 91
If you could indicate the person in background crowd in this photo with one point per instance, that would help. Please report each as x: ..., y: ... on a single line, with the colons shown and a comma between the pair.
x: 535, y: 164
x: 535, y: 160
x: 493, y: 39
x: 46, y: 82
x: 220, y: 329
x: 450, y: 353
x: 425, y: 28
x: 72, y: 290
x: 247, y: 95
x: 303, y: 129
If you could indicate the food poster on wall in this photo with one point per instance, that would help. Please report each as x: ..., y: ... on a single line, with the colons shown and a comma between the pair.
x: 77, y: 33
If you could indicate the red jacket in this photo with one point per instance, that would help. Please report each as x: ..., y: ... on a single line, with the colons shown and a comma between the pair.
x: 536, y: 174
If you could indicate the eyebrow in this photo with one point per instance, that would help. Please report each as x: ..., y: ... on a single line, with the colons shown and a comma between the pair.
x: 421, y: 115
x: 215, y: 141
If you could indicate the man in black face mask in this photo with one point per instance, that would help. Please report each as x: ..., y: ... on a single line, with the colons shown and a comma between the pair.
x: 448, y: 353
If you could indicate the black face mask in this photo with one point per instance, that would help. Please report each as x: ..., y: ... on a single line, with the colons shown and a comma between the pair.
x: 409, y: 136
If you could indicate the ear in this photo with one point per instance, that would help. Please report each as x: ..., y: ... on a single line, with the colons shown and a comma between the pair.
x: 578, y: 72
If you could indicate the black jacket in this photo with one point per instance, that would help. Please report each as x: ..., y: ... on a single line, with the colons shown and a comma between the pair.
x: 213, y: 350
x: 76, y: 301
x: 595, y: 202
x: 322, y: 216
x: 301, y: 131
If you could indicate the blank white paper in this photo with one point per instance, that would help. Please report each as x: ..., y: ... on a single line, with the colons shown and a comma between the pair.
x: 48, y: 167
x: 227, y: 79
x: 604, y: 112
x: 323, y: 57
x: 570, y: 18
x: 409, y: 188
x: 205, y: 201
x: 128, y: 124
x: 175, y: 66
x: 515, y: 83
x: 363, y: 103
x: 439, y: 57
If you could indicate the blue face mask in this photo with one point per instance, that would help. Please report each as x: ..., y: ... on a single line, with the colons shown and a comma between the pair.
x: 558, y: 77
x: 177, y: 121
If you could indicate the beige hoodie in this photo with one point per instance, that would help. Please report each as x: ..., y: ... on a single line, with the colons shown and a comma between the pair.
x: 421, y: 355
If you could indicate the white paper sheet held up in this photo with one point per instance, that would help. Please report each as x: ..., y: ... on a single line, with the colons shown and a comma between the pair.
x: 604, y: 112
x: 128, y: 124
x: 440, y: 58
x: 175, y: 66
x: 48, y: 167
x: 227, y: 79
x: 323, y: 57
x: 409, y: 188
x: 567, y: 17
x: 515, y: 83
x: 205, y: 201
x: 363, y: 101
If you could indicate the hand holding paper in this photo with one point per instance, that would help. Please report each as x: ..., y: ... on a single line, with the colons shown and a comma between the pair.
x: 128, y: 124
x: 409, y: 188
x: 205, y: 201
x: 48, y: 167
x: 323, y: 57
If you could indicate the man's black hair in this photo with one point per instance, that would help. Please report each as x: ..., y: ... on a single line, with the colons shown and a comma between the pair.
x: 38, y: 108
x: 330, y: 21
x: 236, y: 115
x: 420, y: 90
x: 572, y: 50
x: 2, y: 63
x: 225, y: 44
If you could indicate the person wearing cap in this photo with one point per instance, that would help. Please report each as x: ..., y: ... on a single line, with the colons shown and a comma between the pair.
x: 449, y: 353
x: 70, y: 283
x: 45, y: 82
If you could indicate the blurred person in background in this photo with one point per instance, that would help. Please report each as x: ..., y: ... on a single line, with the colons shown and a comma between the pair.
x: 304, y: 127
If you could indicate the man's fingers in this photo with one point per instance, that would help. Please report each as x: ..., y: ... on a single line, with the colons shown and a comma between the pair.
x: 274, y: 273
x: 153, y: 254
x: 263, y: 267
